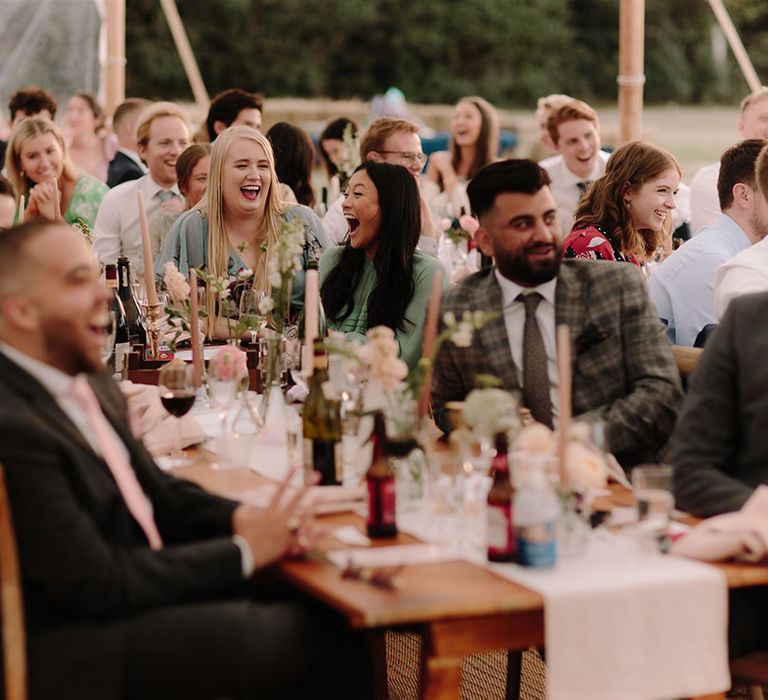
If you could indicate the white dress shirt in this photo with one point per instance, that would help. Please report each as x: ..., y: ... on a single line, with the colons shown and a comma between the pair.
x: 514, y: 320
x: 705, y: 202
x: 116, y: 230
x: 745, y: 273
x: 565, y: 188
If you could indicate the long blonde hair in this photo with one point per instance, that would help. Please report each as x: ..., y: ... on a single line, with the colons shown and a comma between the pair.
x: 26, y: 131
x: 212, y: 207
x: 628, y: 168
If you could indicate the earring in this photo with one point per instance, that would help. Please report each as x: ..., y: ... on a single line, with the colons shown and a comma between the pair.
x: 627, y: 204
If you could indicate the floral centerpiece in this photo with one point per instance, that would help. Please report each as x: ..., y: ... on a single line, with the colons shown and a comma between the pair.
x: 82, y: 226
x: 388, y: 386
x: 349, y: 156
x: 283, y: 264
x: 460, y: 229
x: 228, y: 364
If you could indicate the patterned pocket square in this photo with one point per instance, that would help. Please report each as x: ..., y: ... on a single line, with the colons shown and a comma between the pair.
x: 589, y: 337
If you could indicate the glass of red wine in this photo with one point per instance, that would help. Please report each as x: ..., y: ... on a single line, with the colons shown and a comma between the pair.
x: 176, y: 383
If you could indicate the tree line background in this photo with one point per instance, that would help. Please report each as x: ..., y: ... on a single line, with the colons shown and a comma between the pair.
x: 509, y: 51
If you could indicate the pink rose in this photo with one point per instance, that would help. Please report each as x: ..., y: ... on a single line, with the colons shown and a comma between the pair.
x: 469, y: 223
x: 228, y: 364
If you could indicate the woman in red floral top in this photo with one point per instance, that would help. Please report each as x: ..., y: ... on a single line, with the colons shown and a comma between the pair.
x: 626, y: 214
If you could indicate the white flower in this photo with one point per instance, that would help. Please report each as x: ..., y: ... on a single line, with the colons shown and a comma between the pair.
x: 224, y: 294
x: 266, y: 305
x: 175, y: 283
x: 462, y: 337
x: 586, y: 467
x: 245, y: 273
x: 449, y: 319
x: 490, y: 411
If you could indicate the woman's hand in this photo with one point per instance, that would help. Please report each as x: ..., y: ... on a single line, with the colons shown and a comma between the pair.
x: 440, y: 169
x: 44, y: 201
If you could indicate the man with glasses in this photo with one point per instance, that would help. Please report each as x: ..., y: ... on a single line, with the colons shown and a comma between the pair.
x: 396, y: 141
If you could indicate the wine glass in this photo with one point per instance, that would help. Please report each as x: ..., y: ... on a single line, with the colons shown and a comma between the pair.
x: 176, y: 383
x: 250, y: 300
x: 221, y: 394
x: 108, y: 341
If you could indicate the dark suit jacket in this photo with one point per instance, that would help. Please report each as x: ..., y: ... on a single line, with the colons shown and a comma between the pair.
x: 720, y: 445
x: 624, y: 373
x: 85, y: 562
x: 122, y: 169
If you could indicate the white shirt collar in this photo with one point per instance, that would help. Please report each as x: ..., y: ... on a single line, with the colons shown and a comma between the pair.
x: 151, y: 188
x: 56, y: 382
x: 571, y: 178
x: 511, y: 290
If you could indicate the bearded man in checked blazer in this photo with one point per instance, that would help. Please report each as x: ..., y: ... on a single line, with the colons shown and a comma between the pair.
x: 625, y: 380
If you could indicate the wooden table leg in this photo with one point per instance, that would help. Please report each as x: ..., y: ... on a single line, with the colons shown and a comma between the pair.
x: 377, y: 640
x: 440, y: 676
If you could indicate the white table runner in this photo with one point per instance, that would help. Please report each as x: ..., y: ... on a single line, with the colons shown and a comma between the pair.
x: 635, y: 626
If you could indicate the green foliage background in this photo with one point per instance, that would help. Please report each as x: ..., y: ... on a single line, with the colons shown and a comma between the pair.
x: 509, y: 51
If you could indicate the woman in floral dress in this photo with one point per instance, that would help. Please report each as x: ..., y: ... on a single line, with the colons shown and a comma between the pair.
x: 38, y: 165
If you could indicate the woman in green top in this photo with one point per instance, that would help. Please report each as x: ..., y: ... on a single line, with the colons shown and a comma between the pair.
x: 38, y: 165
x: 379, y: 278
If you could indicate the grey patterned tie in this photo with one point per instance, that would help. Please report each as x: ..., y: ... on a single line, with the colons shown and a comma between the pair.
x: 165, y: 195
x: 535, y: 376
x: 583, y: 186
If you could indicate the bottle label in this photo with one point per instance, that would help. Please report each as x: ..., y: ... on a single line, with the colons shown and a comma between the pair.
x: 536, y: 545
x: 382, y: 502
x: 121, y: 352
x: 501, y: 537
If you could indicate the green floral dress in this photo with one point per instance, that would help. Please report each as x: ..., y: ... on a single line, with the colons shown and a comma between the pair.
x: 86, y: 200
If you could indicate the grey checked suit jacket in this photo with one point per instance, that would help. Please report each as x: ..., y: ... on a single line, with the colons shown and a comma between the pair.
x: 624, y: 373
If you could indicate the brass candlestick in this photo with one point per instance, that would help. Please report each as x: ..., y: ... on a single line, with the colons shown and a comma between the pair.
x: 153, y: 312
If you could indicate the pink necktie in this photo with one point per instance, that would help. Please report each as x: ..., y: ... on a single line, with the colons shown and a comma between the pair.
x: 121, y: 470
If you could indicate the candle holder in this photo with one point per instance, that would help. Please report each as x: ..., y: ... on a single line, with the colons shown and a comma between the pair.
x: 153, y: 313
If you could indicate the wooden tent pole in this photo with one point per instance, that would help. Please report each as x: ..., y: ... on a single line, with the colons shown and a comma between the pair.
x: 631, y: 77
x: 734, y: 41
x: 185, y: 53
x: 115, y: 69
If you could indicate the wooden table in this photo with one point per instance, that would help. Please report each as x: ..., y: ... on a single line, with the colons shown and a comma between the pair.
x: 457, y: 607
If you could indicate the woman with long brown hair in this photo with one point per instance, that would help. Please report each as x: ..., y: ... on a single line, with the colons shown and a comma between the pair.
x: 474, y: 143
x: 627, y: 214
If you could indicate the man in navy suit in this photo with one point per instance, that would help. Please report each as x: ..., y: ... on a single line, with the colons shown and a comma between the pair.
x: 126, y: 165
x: 136, y: 589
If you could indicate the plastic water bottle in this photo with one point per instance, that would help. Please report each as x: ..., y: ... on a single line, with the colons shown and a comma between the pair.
x: 536, y: 511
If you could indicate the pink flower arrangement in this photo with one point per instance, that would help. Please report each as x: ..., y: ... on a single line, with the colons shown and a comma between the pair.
x: 228, y: 364
x: 469, y: 223
x: 380, y: 354
x: 176, y: 284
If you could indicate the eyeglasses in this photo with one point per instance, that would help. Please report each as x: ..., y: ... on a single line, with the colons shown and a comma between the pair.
x: 408, y: 156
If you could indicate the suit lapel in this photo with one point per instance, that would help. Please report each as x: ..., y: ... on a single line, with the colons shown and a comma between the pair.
x: 570, y: 306
x: 45, y: 404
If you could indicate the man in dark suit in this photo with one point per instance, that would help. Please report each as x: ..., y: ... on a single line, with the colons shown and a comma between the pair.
x: 719, y: 447
x: 135, y: 583
x: 624, y: 375
x: 126, y: 165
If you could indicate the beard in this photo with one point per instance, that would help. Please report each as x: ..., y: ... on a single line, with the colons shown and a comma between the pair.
x: 65, y: 352
x: 520, y: 269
